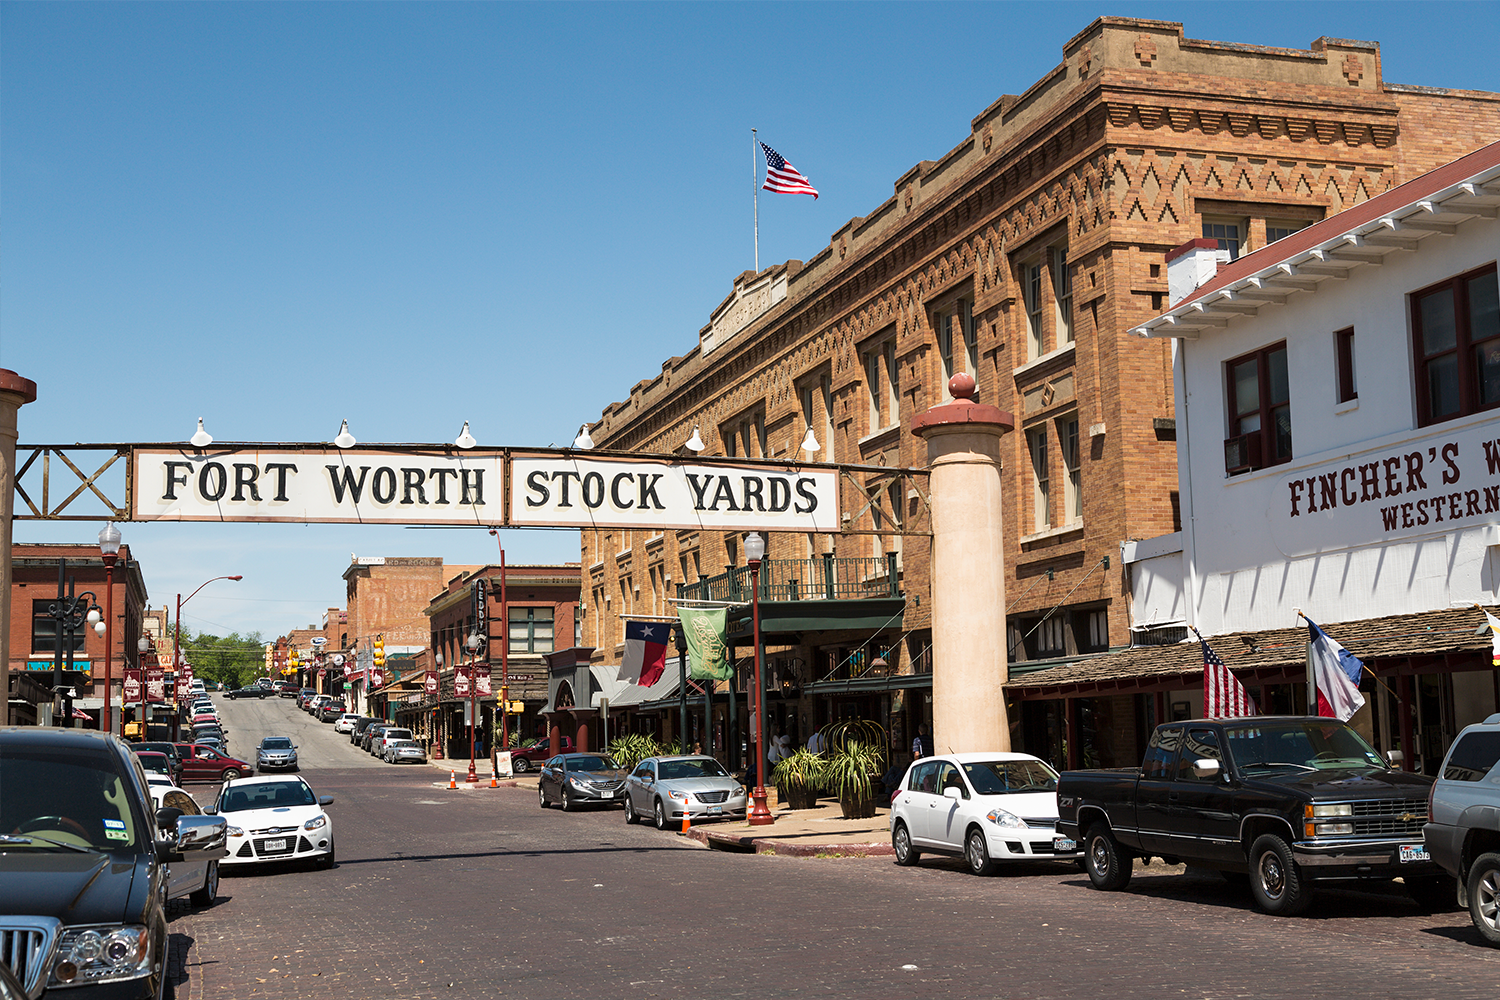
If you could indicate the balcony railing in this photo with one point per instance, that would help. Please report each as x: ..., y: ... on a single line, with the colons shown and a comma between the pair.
x: 820, y: 579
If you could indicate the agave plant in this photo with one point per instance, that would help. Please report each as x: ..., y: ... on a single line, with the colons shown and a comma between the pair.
x: 798, y: 777
x: 632, y: 748
x: 856, y: 757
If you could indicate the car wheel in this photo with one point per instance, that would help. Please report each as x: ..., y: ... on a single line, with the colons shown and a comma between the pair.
x: 209, y: 892
x: 1108, y: 866
x: 630, y: 817
x: 229, y: 774
x: 1275, y: 882
x: 1433, y: 893
x: 541, y: 794
x: 659, y: 814
x: 567, y: 800
x: 520, y: 765
x: 977, y: 853
x: 1484, y: 896
x: 901, y: 842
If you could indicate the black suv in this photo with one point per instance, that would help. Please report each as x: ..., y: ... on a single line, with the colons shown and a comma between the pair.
x: 83, y: 864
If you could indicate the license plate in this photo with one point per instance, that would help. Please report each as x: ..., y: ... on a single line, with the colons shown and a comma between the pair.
x: 716, y: 809
x: 1414, y: 852
x: 1062, y: 845
x: 280, y: 845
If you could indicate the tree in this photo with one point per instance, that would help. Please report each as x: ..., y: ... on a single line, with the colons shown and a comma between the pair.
x: 232, y: 660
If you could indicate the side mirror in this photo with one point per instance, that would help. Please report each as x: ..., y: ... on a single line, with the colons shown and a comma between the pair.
x: 167, y: 817
x: 953, y: 793
x: 201, y: 833
x: 325, y: 800
x: 1395, y: 758
x: 1205, y: 767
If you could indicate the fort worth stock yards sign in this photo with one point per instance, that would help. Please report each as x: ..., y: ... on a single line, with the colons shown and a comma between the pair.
x: 437, y: 486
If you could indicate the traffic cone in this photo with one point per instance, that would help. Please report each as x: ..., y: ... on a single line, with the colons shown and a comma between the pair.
x: 452, y: 779
x: 685, y: 824
x: 493, y: 782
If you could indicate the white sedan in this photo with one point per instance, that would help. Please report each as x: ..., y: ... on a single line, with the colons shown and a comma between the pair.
x: 276, y: 819
x: 983, y: 807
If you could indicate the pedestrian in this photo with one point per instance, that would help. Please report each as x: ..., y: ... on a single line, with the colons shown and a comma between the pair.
x: 781, y: 748
x: 815, y: 742
x: 921, y: 744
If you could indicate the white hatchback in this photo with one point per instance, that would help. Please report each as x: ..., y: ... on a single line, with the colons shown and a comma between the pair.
x: 983, y: 807
x: 276, y: 819
x: 345, y: 723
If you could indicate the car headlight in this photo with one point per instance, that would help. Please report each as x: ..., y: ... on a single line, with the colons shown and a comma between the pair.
x: 1009, y: 820
x: 1330, y: 809
x: 679, y: 796
x: 102, y: 954
x: 316, y: 823
x: 234, y: 831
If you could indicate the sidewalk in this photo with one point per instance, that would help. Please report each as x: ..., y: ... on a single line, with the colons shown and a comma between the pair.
x: 800, y: 833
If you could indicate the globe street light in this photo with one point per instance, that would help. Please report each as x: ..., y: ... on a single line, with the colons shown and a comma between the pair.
x: 755, y: 549
x: 109, y: 550
x: 473, y: 642
x: 177, y: 632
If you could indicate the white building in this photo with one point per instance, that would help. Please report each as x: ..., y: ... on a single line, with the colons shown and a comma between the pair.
x: 1338, y: 435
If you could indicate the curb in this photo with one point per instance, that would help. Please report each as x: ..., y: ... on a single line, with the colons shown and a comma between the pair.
x: 735, y: 843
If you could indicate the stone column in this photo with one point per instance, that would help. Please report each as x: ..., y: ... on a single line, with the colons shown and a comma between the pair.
x: 15, y: 392
x: 967, y: 571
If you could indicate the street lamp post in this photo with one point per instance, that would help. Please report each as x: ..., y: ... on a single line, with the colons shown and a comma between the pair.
x: 109, y: 550
x: 755, y: 549
x: 177, y: 631
x: 473, y: 643
x: 142, y: 647
x: 69, y: 613
x: 437, y: 717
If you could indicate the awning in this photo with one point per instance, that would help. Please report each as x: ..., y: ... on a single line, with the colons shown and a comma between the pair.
x: 1427, y: 642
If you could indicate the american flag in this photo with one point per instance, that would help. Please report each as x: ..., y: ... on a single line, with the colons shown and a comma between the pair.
x: 1224, y: 697
x: 783, y: 178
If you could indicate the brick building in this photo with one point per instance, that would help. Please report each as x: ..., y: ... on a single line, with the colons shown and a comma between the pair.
x: 34, y: 634
x: 541, y: 614
x: 1023, y: 256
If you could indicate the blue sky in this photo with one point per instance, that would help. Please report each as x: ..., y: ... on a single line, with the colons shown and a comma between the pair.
x: 276, y: 216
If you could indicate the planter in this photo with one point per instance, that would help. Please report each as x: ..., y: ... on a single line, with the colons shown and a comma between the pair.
x: 857, y: 807
x: 798, y: 796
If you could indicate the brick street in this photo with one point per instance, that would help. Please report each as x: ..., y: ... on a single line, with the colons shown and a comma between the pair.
x: 480, y: 893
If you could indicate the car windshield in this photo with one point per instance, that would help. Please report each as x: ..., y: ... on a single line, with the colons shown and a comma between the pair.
x: 1006, y: 777
x: 591, y: 764
x: 155, y: 762
x: 1298, y: 746
x: 704, y: 768
x: 276, y: 743
x: 59, y: 799
x: 400, y: 744
x: 269, y: 795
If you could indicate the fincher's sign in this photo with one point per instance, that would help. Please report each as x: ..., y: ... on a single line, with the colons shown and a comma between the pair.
x: 354, y: 485
x: 421, y: 486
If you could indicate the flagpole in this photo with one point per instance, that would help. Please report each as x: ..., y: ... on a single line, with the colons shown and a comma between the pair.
x: 1312, y: 674
x: 755, y: 194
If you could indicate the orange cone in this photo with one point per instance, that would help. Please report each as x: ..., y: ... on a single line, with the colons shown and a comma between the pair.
x: 493, y: 782
x: 685, y: 824
x: 452, y: 779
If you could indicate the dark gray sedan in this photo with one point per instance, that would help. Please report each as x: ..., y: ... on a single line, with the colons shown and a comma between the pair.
x: 577, y: 778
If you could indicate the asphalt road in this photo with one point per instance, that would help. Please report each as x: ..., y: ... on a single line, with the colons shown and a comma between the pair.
x: 479, y: 893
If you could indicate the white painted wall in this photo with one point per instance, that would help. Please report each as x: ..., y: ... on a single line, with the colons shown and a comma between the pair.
x: 1248, y: 560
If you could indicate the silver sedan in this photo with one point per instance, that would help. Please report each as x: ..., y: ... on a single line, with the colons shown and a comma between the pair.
x: 669, y: 788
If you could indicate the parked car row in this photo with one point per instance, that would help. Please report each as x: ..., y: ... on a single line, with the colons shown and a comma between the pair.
x: 662, y: 789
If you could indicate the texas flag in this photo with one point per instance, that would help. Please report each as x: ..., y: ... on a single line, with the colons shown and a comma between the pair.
x: 645, y: 652
x: 1336, y: 672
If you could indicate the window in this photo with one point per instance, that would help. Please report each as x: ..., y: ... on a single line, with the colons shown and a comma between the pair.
x: 1456, y: 328
x: 817, y: 416
x: 1260, y: 411
x: 1473, y: 757
x: 1201, y: 744
x: 1062, y: 291
x: 1036, y: 441
x: 1031, y: 290
x: 881, y: 384
x: 44, y: 629
x: 1160, y: 753
x: 1280, y: 229
x: 1093, y: 636
x: 1230, y: 234
x: 958, y: 339
x: 971, y: 337
x: 531, y: 630
x: 1343, y: 360
x: 1067, y: 436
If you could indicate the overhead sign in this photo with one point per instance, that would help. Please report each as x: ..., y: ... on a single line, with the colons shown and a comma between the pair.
x: 639, y: 493
x: 318, y: 485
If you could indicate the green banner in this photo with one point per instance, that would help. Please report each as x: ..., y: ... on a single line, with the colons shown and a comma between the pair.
x: 708, y: 656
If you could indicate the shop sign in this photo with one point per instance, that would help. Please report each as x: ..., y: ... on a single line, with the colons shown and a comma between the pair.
x: 130, y: 686
x: 156, y: 685
x: 482, y: 681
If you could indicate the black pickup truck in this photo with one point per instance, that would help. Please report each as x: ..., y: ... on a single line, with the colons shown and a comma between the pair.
x: 1286, y: 801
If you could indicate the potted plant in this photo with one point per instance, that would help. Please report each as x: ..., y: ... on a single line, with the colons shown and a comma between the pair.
x: 797, y: 778
x: 632, y: 748
x: 856, y: 758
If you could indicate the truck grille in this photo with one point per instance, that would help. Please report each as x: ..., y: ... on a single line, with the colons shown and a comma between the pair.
x: 1390, y: 817
x: 25, y: 947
